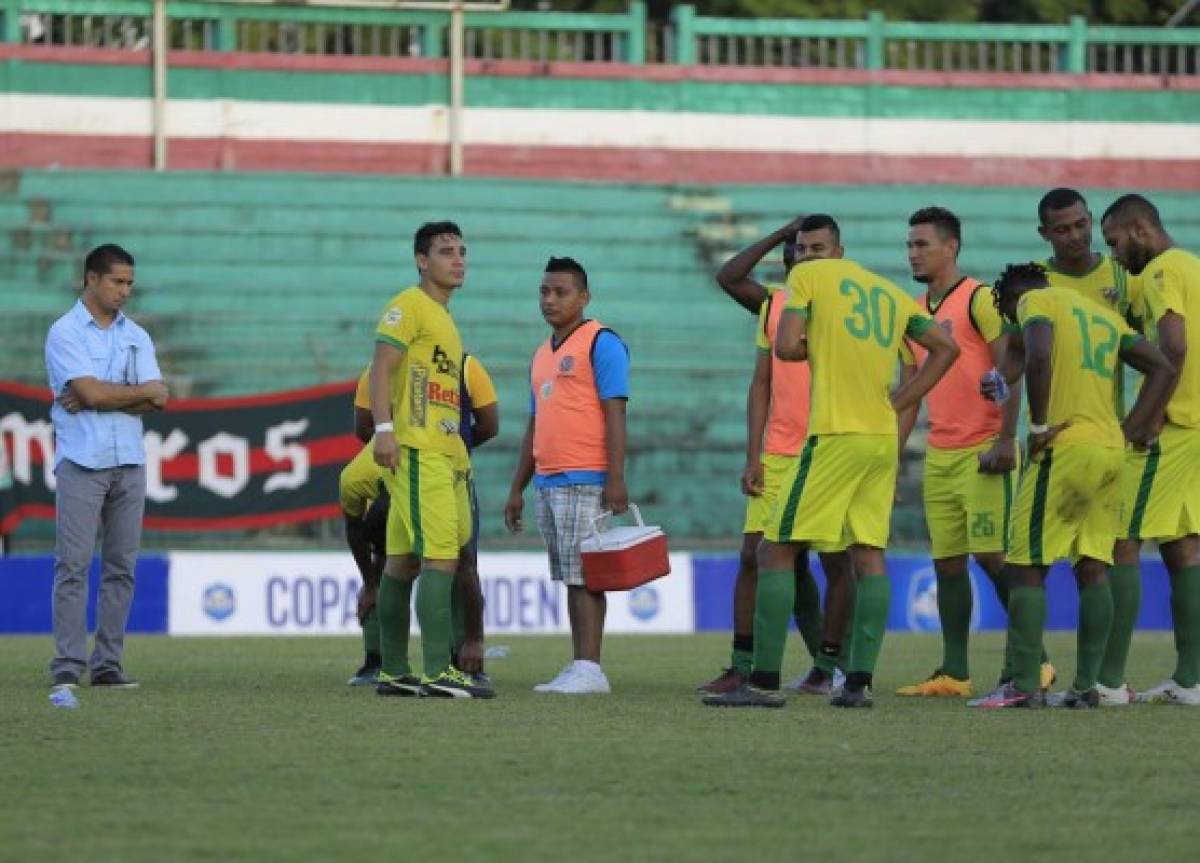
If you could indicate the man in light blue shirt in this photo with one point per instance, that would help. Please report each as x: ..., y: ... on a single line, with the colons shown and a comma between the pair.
x: 104, y: 376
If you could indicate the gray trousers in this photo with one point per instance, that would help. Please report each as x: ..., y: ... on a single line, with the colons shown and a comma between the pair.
x: 110, y: 503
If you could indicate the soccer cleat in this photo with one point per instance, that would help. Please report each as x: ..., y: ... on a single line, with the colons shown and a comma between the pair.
x: 368, y: 675
x: 727, y: 680
x: 113, y: 679
x: 1008, y: 696
x: 839, y: 681
x: 853, y: 696
x: 816, y: 682
x: 404, y: 686
x: 1073, y: 699
x: 938, y: 685
x: 745, y: 695
x: 586, y: 679
x: 1049, y: 675
x: 1116, y: 696
x: 453, y: 683
x: 65, y: 678
x: 978, y: 702
x: 552, y: 686
x: 1170, y: 692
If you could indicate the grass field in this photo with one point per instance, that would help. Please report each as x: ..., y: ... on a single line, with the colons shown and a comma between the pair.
x: 255, y: 749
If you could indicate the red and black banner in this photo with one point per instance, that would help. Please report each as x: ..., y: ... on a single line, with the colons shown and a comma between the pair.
x: 211, y: 464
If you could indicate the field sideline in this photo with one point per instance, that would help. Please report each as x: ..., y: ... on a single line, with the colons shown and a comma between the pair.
x: 255, y: 749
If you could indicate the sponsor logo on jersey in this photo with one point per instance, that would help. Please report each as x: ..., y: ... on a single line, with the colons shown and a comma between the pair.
x: 393, y: 317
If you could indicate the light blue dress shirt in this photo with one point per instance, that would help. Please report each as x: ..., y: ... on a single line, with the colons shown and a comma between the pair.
x: 77, y: 347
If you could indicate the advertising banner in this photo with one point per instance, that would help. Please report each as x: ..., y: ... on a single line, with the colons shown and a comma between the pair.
x: 211, y: 464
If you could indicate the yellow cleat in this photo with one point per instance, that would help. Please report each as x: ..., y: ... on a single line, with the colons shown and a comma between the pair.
x: 939, y: 685
x: 1049, y: 675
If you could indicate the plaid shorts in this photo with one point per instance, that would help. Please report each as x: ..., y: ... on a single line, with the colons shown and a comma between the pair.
x: 564, y: 516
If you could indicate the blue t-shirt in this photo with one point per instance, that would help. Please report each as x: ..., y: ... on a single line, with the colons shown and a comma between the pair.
x: 610, y: 366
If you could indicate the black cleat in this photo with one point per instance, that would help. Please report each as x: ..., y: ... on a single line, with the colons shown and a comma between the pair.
x: 404, y: 686
x: 857, y: 696
x: 453, y: 683
x: 745, y: 695
x: 1074, y: 700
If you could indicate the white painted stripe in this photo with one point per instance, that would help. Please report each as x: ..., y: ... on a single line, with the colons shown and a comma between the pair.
x: 272, y: 121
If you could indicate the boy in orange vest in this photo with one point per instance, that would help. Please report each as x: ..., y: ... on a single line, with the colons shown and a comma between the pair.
x: 574, y: 451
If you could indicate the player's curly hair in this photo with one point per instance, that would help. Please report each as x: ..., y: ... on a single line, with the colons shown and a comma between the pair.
x: 1018, y: 276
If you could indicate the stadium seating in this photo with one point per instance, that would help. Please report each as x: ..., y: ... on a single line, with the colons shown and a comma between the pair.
x: 254, y: 282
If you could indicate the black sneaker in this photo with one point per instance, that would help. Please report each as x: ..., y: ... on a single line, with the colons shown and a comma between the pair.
x: 1074, y: 700
x: 113, y: 679
x: 404, y: 686
x: 368, y: 675
x: 453, y: 683
x: 745, y: 695
x: 66, y: 678
x: 853, y: 696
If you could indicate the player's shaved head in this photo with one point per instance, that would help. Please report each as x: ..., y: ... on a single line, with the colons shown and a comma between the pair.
x: 1058, y: 199
x: 818, y: 237
x: 423, y: 239
x: 569, y: 265
x: 1133, y: 208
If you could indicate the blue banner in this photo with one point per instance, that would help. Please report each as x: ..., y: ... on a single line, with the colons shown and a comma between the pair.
x: 26, y: 584
x: 914, y: 594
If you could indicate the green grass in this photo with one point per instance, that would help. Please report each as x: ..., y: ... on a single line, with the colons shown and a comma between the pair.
x: 256, y: 749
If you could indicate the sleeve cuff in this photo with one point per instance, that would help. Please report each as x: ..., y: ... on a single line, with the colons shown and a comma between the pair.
x: 796, y: 310
x: 917, y: 325
x: 388, y: 340
x: 1129, y: 340
x: 1036, y: 319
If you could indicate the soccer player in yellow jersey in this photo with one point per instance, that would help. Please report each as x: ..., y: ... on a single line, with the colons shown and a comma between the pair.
x: 416, y: 403
x: 1068, y: 500
x: 1161, y: 494
x: 848, y: 323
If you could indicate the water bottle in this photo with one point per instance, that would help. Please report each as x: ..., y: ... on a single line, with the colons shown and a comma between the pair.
x: 497, y: 651
x: 64, y: 696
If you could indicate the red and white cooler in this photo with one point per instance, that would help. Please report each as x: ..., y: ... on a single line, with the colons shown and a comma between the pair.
x: 622, y: 558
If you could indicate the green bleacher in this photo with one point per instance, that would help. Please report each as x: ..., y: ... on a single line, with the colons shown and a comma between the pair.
x: 258, y: 282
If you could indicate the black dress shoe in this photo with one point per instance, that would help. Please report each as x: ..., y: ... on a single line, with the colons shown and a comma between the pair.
x: 113, y: 679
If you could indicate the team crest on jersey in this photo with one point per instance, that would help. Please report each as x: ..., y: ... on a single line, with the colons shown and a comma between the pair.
x: 547, y: 388
x: 393, y: 317
x: 566, y: 364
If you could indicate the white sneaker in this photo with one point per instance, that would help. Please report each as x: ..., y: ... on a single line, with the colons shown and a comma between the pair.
x: 1117, y: 696
x: 587, y: 678
x: 1170, y: 692
x: 553, y: 686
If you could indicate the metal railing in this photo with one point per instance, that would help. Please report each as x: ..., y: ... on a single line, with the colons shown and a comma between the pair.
x: 873, y: 43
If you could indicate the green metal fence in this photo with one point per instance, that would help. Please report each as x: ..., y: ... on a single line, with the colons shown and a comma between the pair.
x: 873, y: 43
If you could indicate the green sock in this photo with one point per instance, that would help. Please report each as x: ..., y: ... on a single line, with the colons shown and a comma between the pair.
x: 743, y: 654
x: 1026, y: 621
x: 458, y: 617
x: 806, y: 609
x: 843, y: 660
x: 1125, y: 581
x: 772, y: 604
x: 1095, y: 623
x: 870, y: 620
x: 1185, y: 611
x: 433, y: 615
x: 954, y: 608
x: 393, y: 613
x: 370, y: 631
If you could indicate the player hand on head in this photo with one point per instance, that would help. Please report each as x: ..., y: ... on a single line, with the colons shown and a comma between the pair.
x: 512, y: 512
x: 1000, y: 458
x: 616, y: 496
x: 752, y: 479
x: 1039, y: 441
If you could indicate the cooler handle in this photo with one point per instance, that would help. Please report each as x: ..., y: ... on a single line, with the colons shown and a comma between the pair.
x: 633, y: 508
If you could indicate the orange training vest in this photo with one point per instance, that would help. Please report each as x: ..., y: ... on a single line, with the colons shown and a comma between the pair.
x: 791, y: 386
x: 959, y: 416
x: 568, y: 429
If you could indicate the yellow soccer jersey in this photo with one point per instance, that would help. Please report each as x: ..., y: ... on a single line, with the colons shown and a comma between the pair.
x: 480, y: 389
x: 362, y: 393
x: 1171, y: 283
x: 985, y: 316
x: 425, y: 385
x: 857, y: 321
x: 1107, y: 283
x: 1083, y: 361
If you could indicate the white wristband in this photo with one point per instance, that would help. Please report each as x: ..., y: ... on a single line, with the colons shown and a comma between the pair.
x: 1034, y: 428
x: 382, y: 427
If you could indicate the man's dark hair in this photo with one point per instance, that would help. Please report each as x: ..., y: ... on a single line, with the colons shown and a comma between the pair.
x: 946, y: 223
x: 1018, y: 276
x: 102, y: 259
x: 817, y: 221
x: 1128, y: 207
x: 423, y: 239
x: 1058, y: 199
x: 569, y: 265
